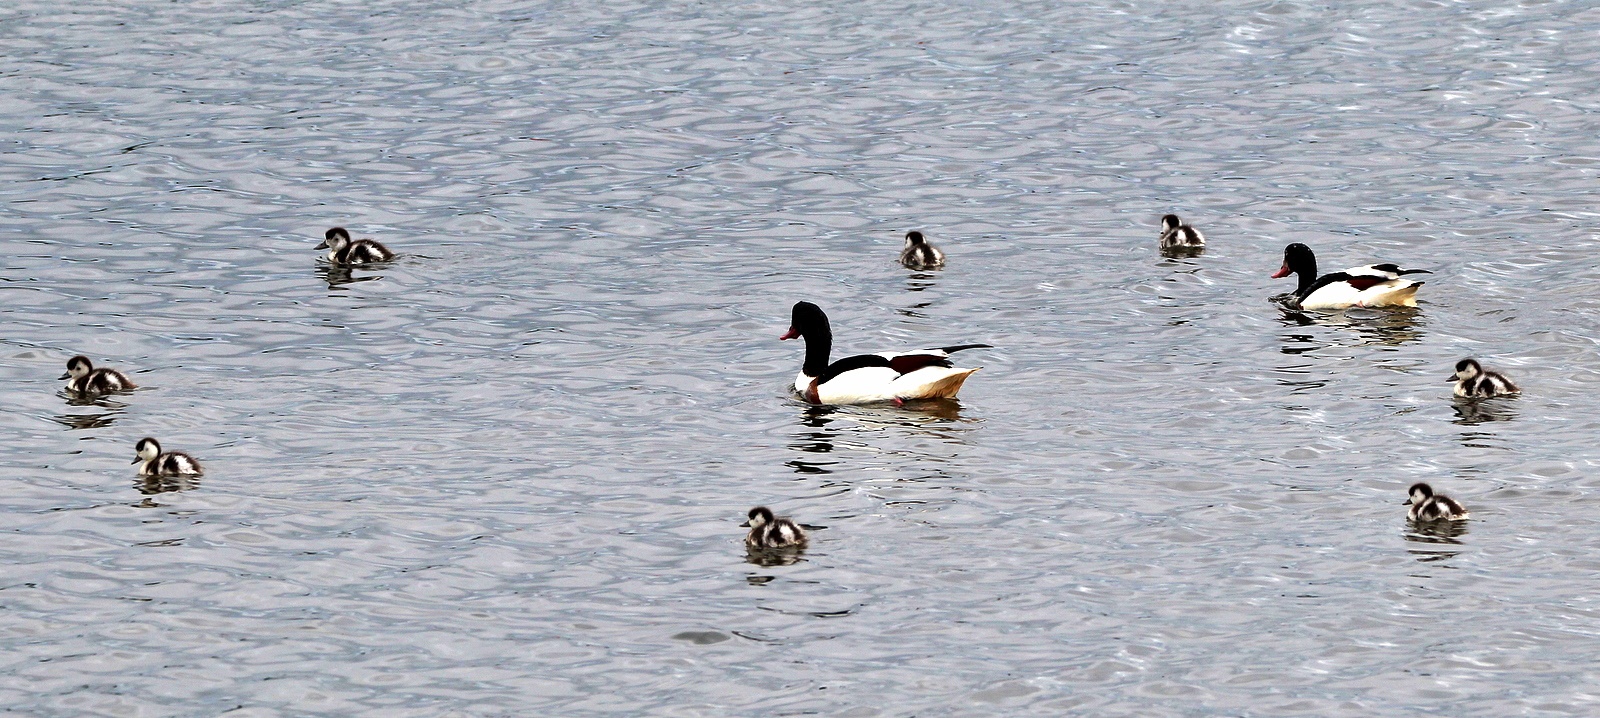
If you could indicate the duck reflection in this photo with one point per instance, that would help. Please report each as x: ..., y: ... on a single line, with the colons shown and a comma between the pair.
x: 1472, y: 412
x: 822, y: 428
x: 1183, y: 251
x: 912, y: 312
x: 1386, y: 327
x: 920, y: 281
x: 152, y: 485
x: 1435, y: 533
x: 769, y: 557
x: 87, y: 421
x: 337, y: 276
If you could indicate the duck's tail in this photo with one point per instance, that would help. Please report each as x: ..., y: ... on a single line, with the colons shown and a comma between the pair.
x: 934, y: 383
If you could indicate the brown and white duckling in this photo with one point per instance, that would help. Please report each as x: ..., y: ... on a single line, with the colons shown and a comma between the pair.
x: 769, y: 531
x: 1176, y: 234
x: 343, y: 250
x: 159, y: 463
x: 1428, y: 506
x: 1373, y: 285
x: 1475, y: 382
x: 85, y: 379
x: 918, y: 254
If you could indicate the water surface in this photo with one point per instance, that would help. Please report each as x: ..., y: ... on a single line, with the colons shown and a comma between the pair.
x: 503, y: 474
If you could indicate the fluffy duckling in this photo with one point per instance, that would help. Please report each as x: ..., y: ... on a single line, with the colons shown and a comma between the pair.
x: 768, y: 531
x: 1428, y: 506
x: 343, y: 250
x: 1475, y: 382
x: 158, y: 463
x: 85, y: 379
x: 918, y: 254
x: 1175, y: 234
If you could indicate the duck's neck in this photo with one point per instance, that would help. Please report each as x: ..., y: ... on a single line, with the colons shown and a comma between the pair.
x: 1307, y: 271
x: 819, y: 343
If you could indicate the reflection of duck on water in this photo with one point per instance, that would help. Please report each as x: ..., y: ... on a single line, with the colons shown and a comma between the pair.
x: 151, y: 485
x: 1392, y: 327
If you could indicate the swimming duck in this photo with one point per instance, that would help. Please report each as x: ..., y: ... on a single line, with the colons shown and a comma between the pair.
x: 157, y: 463
x: 1373, y: 285
x: 1175, y: 234
x: 866, y: 378
x: 918, y: 254
x: 343, y: 250
x: 85, y: 379
x: 768, y: 531
x: 1474, y: 382
x: 1428, y: 506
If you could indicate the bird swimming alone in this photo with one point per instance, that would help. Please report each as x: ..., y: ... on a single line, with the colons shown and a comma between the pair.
x: 1177, y: 235
x: 769, y: 531
x: 1373, y: 285
x: 343, y: 250
x: 1475, y: 382
x: 1428, y: 506
x: 918, y: 254
x: 85, y: 379
x: 158, y: 463
x: 868, y: 378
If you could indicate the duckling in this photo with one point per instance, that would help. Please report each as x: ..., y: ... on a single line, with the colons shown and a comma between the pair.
x: 918, y: 254
x: 1474, y: 382
x: 157, y: 463
x: 1428, y: 506
x: 85, y: 379
x: 768, y: 531
x: 1174, y: 233
x: 343, y: 250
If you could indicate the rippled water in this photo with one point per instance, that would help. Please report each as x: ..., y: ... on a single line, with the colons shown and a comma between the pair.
x: 503, y: 475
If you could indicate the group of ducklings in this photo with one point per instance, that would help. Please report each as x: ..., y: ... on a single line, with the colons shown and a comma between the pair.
x: 767, y: 530
x: 84, y: 380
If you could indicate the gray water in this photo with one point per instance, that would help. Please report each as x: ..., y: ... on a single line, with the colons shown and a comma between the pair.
x: 503, y: 474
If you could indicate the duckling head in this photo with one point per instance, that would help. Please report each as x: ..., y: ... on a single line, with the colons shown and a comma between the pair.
x: 78, y: 366
x: 759, y: 516
x: 1419, y: 493
x: 146, y: 449
x: 1169, y: 223
x: 914, y: 238
x: 334, y: 239
x: 1466, y: 369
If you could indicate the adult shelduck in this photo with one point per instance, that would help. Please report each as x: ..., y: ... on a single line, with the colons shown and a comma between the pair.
x: 867, y: 378
x: 1374, y: 285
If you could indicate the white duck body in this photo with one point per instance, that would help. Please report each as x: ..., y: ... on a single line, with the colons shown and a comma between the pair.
x: 1373, y: 285
x: 869, y: 384
x: 869, y: 378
